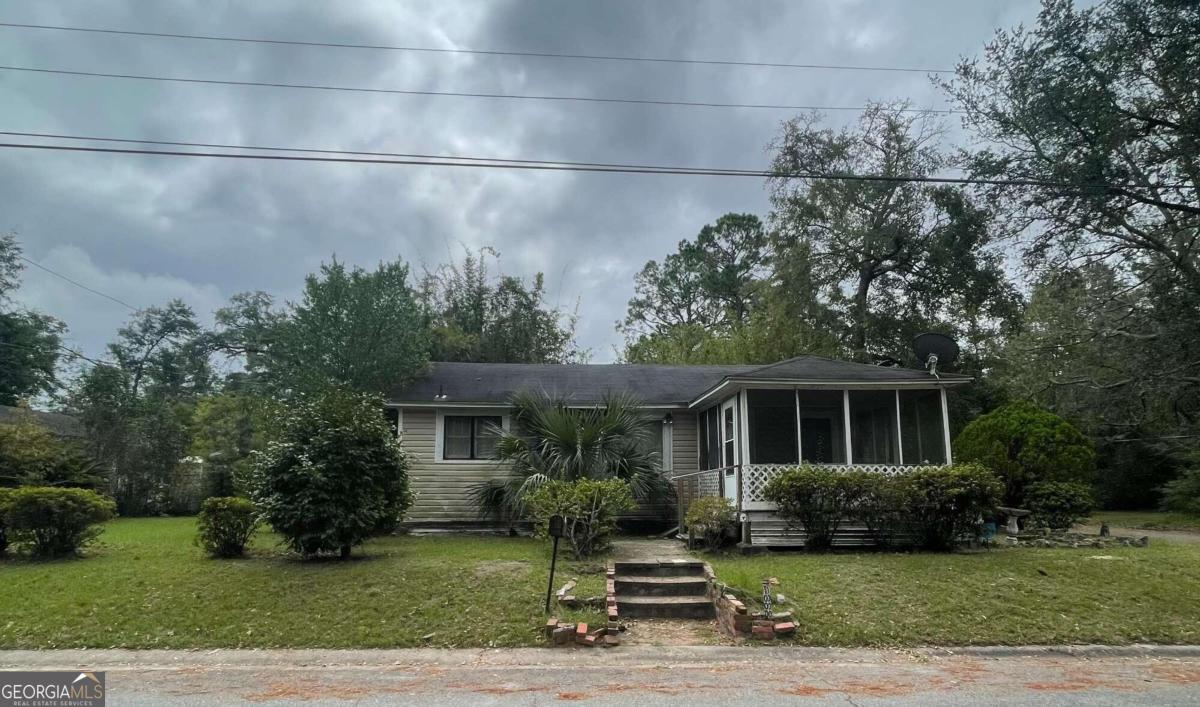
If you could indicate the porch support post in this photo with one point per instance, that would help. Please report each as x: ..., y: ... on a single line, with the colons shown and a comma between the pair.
x: 946, y: 426
x: 899, y: 436
x: 846, y: 415
x: 743, y: 428
x: 799, y: 442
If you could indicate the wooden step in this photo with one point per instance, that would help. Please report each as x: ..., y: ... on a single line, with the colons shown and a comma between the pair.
x: 661, y: 568
x: 651, y: 585
x: 665, y: 607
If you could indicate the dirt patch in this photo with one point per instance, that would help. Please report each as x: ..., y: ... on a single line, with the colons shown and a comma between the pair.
x: 671, y: 632
x: 500, y: 569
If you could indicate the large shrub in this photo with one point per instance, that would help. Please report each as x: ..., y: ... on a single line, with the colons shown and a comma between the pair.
x: 30, y: 455
x: 335, y: 476
x: 55, y: 521
x: 1182, y: 495
x: 944, y: 504
x: 225, y: 525
x: 1058, y: 504
x: 712, y: 517
x: 880, y: 506
x: 1024, y: 445
x: 817, y: 498
x: 589, y: 508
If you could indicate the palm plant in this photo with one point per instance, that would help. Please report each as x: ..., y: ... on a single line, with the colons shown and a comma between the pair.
x: 550, y: 440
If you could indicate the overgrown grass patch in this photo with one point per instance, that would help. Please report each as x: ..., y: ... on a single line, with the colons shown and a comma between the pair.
x: 145, y: 585
x: 1146, y: 520
x: 999, y: 597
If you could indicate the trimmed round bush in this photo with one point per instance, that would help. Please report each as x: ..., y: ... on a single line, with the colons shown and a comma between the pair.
x: 945, y: 504
x: 225, y: 525
x: 815, y: 498
x: 336, y: 475
x: 589, y: 508
x: 1058, y: 504
x: 55, y: 521
x: 712, y: 516
x: 1024, y: 445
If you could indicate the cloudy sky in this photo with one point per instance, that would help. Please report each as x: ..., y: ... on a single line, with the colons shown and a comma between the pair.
x: 146, y: 229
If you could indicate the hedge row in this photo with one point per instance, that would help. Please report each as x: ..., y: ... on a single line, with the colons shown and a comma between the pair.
x: 934, y: 508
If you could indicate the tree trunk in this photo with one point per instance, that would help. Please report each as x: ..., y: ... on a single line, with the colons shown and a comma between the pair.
x: 345, y: 552
x: 859, y: 339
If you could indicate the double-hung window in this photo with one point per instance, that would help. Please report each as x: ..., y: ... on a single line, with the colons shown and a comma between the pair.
x: 469, y: 436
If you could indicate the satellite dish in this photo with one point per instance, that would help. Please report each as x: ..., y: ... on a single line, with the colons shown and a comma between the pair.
x: 933, y: 349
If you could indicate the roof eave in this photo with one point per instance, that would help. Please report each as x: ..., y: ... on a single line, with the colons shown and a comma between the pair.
x: 933, y: 382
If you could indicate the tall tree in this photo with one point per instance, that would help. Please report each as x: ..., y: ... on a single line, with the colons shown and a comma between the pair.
x: 695, y: 300
x: 29, y: 341
x: 1094, y: 111
x: 137, y: 409
x: 894, y: 256
x: 475, y: 318
x: 352, y: 328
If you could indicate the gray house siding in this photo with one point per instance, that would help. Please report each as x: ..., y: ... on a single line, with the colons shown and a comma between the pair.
x: 443, y: 489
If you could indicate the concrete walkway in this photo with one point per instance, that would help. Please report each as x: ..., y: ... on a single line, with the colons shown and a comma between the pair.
x: 693, y: 676
x: 628, y: 549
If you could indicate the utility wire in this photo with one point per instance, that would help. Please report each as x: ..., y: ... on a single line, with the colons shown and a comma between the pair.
x: 483, y: 52
x: 463, y: 94
x: 226, y: 146
x: 582, y: 167
x: 64, y: 349
x: 76, y: 283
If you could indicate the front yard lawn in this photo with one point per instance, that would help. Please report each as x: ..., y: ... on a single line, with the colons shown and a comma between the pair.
x: 997, y: 597
x: 146, y: 586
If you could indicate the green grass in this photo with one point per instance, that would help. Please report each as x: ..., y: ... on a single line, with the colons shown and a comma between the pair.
x: 998, y: 597
x: 146, y: 586
x: 1147, y: 520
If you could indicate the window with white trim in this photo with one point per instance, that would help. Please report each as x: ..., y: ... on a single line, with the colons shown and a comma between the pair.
x: 469, y: 437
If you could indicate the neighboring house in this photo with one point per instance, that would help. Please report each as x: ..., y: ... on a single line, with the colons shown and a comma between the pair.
x: 56, y: 422
x: 725, y: 430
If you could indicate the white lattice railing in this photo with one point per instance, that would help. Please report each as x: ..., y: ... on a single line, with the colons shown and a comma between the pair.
x: 697, y: 484
x: 755, y: 477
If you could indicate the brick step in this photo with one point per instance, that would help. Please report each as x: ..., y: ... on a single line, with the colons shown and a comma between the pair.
x: 665, y: 607
x: 682, y: 585
x: 661, y: 568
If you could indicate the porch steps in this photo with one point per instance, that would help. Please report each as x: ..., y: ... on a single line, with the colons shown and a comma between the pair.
x: 662, y: 589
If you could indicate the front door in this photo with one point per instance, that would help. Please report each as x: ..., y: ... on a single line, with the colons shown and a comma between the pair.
x: 729, y: 450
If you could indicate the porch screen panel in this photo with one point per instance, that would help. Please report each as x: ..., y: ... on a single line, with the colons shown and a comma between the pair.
x: 873, y: 426
x: 772, y: 419
x: 712, y: 425
x: 822, y: 428
x: 921, y: 433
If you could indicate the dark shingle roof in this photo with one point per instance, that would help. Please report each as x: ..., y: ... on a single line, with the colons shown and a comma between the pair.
x: 810, y: 368
x: 580, y: 383
x: 653, y: 384
x: 58, y: 423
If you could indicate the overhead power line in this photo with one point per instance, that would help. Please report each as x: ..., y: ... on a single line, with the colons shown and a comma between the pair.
x: 460, y: 94
x: 64, y: 349
x: 496, y: 163
x: 481, y: 52
x: 78, y: 284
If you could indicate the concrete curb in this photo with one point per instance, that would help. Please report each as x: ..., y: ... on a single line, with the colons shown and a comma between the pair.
x: 119, y: 659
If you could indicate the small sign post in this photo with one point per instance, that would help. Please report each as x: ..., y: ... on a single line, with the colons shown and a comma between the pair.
x: 556, y: 532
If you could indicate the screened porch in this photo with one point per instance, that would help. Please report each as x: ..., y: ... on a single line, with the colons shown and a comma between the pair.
x: 756, y: 433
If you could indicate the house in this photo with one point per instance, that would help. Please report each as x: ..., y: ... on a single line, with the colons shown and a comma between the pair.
x: 724, y: 430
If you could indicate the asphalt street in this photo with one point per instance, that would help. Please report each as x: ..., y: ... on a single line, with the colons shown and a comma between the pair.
x: 643, y: 675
